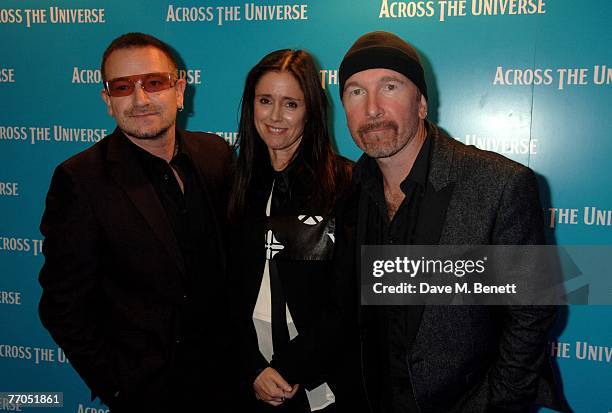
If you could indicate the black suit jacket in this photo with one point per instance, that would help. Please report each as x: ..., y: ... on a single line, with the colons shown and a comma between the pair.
x: 111, y: 277
x: 463, y: 359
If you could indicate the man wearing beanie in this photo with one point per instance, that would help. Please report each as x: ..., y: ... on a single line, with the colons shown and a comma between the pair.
x: 416, y: 186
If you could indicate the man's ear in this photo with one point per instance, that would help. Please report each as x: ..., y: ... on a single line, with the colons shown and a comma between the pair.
x: 423, y: 107
x: 107, y: 100
x: 179, y: 89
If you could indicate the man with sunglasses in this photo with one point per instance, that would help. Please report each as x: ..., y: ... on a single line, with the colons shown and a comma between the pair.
x: 134, y: 252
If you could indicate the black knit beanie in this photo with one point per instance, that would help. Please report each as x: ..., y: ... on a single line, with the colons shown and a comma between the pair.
x: 382, y: 50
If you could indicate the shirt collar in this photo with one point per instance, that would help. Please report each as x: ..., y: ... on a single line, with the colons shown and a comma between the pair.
x: 145, y: 156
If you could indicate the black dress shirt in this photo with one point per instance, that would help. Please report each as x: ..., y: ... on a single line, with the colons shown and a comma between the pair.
x: 192, y: 223
x: 389, y: 330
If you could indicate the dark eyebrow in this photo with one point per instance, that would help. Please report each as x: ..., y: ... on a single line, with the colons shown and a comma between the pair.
x: 284, y: 97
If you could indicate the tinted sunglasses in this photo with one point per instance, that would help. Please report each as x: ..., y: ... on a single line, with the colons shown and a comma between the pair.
x: 150, y: 82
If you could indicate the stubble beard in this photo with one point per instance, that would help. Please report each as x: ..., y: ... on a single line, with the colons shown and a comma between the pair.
x: 142, y: 133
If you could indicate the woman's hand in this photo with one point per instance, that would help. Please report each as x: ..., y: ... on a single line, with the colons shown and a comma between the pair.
x: 272, y: 388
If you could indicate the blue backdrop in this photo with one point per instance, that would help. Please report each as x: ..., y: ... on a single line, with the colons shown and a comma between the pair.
x: 530, y: 79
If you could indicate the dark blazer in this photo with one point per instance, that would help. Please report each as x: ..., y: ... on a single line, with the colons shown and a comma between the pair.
x: 111, y: 278
x: 462, y: 358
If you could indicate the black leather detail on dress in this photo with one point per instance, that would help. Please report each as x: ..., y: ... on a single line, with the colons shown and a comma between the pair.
x: 303, y: 239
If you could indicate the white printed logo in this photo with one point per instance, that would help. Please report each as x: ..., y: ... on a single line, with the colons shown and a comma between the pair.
x: 310, y: 220
x: 273, y: 247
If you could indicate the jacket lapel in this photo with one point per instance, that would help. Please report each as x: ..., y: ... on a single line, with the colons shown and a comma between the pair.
x: 432, y: 216
x: 440, y: 185
x: 196, y: 158
x: 125, y: 170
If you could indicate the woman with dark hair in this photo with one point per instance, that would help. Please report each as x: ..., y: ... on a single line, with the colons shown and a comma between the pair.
x: 286, y: 184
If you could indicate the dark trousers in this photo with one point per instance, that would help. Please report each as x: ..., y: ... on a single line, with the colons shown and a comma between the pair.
x: 182, y: 387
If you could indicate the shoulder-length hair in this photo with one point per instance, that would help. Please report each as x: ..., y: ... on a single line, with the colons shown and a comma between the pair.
x: 314, y: 153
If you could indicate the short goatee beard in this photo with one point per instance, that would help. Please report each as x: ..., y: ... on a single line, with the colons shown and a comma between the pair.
x: 143, y: 110
x: 378, y: 149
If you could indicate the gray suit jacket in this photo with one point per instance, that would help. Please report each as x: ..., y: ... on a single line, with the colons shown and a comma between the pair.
x: 475, y: 358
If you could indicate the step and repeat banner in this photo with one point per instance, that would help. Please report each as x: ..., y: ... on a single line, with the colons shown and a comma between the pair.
x: 530, y: 79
